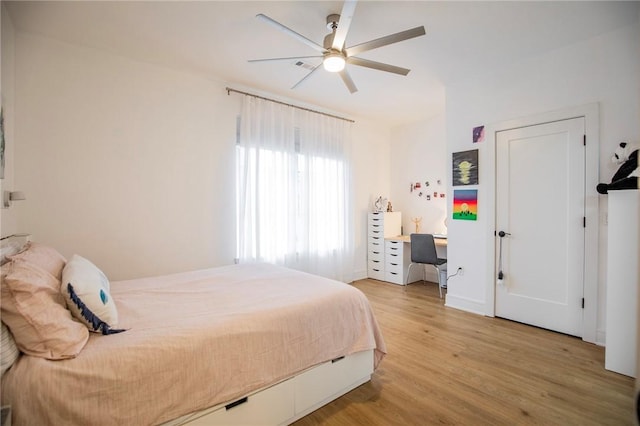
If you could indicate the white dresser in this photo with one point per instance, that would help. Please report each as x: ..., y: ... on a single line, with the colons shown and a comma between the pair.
x: 379, y: 226
x: 398, y: 257
x: 396, y: 260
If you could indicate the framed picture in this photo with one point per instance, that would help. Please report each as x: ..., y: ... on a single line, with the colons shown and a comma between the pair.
x: 465, y: 204
x: 465, y: 168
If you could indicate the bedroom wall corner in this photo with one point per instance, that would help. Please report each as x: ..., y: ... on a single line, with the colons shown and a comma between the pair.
x: 371, y: 178
x: 8, y: 217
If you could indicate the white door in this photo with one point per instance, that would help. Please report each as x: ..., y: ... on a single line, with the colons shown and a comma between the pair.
x: 540, y: 203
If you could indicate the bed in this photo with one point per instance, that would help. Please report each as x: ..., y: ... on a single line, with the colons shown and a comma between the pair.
x: 239, y: 344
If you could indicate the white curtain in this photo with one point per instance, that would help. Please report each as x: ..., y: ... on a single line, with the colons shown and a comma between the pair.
x: 294, y: 189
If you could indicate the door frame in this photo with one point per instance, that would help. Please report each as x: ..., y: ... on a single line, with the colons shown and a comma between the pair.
x: 591, y: 114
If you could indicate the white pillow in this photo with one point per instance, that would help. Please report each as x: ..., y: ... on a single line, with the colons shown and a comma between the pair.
x: 86, y: 292
x: 8, y: 249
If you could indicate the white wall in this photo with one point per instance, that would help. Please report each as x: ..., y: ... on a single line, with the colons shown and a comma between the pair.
x: 419, y: 154
x: 132, y: 165
x: 604, y: 69
x: 371, y: 178
x: 8, y: 218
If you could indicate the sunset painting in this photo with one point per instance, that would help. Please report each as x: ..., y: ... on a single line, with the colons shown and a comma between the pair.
x: 465, y: 204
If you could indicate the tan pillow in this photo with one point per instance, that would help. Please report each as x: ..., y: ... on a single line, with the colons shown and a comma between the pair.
x: 43, y: 256
x: 34, y: 310
x: 9, y: 352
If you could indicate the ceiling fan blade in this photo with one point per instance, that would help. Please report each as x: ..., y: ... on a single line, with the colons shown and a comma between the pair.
x: 284, y: 59
x: 292, y: 33
x: 346, y: 16
x: 348, y: 81
x: 306, y: 76
x: 377, y: 65
x: 383, y: 41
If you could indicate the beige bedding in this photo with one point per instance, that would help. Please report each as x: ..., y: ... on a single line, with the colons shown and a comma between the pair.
x: 194, y: 340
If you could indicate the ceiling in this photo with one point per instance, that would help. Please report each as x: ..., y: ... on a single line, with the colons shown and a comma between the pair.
x: 216, y: 39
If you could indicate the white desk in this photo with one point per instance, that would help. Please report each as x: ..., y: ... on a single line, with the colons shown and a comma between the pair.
x: 397, y: 258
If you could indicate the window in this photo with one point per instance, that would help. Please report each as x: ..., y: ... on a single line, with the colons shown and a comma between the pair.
x: 293, y: 190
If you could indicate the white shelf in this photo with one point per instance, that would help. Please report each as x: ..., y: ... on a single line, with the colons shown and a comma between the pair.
x: 622, y: 281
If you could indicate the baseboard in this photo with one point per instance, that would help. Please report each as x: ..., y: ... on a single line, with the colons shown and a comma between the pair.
x: 464, y: 304
x: 431, y: 275
x: 360, y: 274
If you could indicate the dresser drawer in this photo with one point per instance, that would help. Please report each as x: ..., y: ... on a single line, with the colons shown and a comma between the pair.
x: 375, y: 218
x: 375, y: 264
x: 375, y: 244
x: 394, y: 277
x: 393, y: 246
x: 393, y: 258
x: 377, y: 255
x: 393, y: 264
x: 375, y: 270
x: 376, y: 231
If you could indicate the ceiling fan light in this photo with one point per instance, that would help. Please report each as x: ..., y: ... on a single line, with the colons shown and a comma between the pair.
x: 333, y: 62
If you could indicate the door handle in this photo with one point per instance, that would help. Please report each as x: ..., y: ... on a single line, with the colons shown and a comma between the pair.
x: 500, y: 280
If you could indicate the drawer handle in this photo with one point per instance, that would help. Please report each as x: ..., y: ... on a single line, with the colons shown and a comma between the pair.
x: 376, y: 252
x: 393, y: 273
x: 391, y: 254
x: 337, y: 359
x: 375, y: 261
x: 236, y: 403
x: 394, y: 264
x: 377, y: 270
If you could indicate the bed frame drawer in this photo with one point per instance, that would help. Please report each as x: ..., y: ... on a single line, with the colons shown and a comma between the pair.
x: 268, y: 407
x: 288, y: 401
x: 331, y: 379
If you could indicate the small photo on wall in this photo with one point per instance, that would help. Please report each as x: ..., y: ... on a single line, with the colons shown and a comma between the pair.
x: 465, y: 204
x: 478, y: 134
x: 465, y: 168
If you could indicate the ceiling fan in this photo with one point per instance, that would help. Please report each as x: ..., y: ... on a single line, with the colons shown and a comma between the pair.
x: 333, y: 52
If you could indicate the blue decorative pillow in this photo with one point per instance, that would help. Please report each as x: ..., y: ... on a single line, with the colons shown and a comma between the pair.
x: 86, y: 291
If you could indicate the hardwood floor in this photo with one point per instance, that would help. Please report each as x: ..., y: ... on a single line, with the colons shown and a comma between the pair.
x: 446, y: 366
